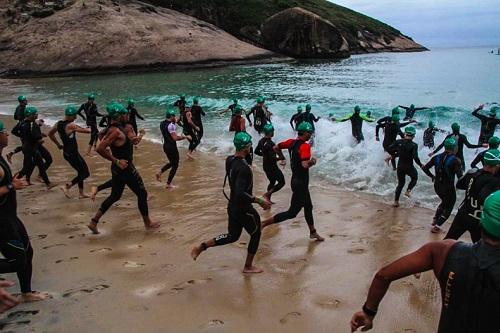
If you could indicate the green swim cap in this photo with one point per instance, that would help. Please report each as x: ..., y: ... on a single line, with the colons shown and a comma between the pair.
x: 182, y: 96
x: 70, y: 110
x: 395, y: 111
x: 450, y: 144
x: 268, y: 128
x: 21, y: 98
x: 395, y: 118
x: 299, y: 108
x: 260, y: 100
x: 30, y: 110
x: 357, y: 108
x: 308, y: 107
x: 305, y: 127
x: 2, y: 128
x: 492, y: 157
x: 490, y: 217
x: 237, y: 109
x: 242, y: 140
x: 195, y: 100
x: 455, y: 127
x: 431, y: 124
x: 493, y: 111
x: 412, y: 106
x: 494, y: 142
x: 169, y: 113
x: 115, y: 110
x: 235, y: 101
x: 130, y: 101
x: 410, y: 130
x: 91, y: 96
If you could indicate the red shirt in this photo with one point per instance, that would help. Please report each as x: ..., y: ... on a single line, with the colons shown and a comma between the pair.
x: 304, y: 150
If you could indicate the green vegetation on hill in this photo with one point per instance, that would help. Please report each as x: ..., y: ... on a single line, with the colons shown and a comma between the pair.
x: 244, y: 17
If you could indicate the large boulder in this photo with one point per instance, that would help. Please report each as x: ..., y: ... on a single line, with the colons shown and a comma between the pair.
x: 302, y: 34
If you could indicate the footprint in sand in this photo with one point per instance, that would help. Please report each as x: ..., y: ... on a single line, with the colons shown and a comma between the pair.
x: 104, y: 249
x: 337, y: 235
x: 66, y: 260
x: 241, y: 245
x: 325, y: 212
x: 90, y: 290
x: 21, y: 314
x: 39, y: 237
x: 212, y: 323
x: 298, y: 261
x: 149, y: 291
x: 329, y: 303
x: 134, y: 246
x: 132, y: 264
x: 291, y: 316
x: 53, y: 245
x: 14, y: 325
x: 184, y: 285
x: 356, y: 251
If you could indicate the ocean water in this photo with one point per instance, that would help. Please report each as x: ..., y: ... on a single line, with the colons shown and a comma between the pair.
x: 449, y: 81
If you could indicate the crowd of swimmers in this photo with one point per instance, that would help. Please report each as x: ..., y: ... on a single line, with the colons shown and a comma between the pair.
x: 468, y: 274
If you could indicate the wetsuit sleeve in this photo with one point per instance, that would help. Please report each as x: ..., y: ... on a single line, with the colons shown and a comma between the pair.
x: 97, y: 112
x: 377, y: 129
x: 346, y: 118
x: 419, y: 109
x: 138, y: 115
x: 17, y: 130
x: 82, y: 108
x: 463, y: 181
x: 441, y: 145
x: 366, y: 118
x: 103, y: 122
x: 252, y: 110
x: 286, y: 144
x: 291, y: 121
x: 415, y: 155
x: 468, y: 144
x: 201, y: 111
x: 458, y: 168
x: 305, y: 152
x: 258, y: 149
x: 241, y: 185
x: 404, y: 124
x: 404, y: 107
x: 382, y: 121
x: 314, y: 118
x: 476, y: 114
x: 36, y: 133
x: 477, y: 159
x: 427, y: 168
x: 394, y: 147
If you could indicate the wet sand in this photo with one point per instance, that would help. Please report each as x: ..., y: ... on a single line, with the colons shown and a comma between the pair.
x: 131, y: 280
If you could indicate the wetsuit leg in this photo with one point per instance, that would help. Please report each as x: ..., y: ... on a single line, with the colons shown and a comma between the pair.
x: 194, y: 142
x: 458, y: 226
x: 28, y: 163
x: 299, y: 199
x: 200, y: 133
x: 41, y: 166
x: 308, y: 209
x: 276, y: 180
x: 105, y: 185
x: 18, y: 255
x: 118, y: 185
x: 448, y: 198
x: 134, y: 126
x: 401, y: 183
x: 134, y: 182
x: 46, y: 156
x: 78, y: 163
x: 93, y: 134
x: 173, y: 162
x: 17, y: 150
x: 412, y: 173
x: 249, y: 220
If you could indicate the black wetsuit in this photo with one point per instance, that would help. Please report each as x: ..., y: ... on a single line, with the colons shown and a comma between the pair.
x: 478, y: 159
x: 188, y: 129
x: 461, y: 140
x: 470, y: 287
x: 181, y: 105
x: 273, y: 173
x: 429, y: 134
x: 15, y: 245
x: 308, y: 117
x: 241, y: 213
x: 71, y: 154
x: 105, y: 121
x: 391, y: 132
x: 30, y: 135
x: 446, y: 166
x: 132, y: 115
x: 196, y: 114
x: 170, y: 149
x: 488, y: 126
x: 410, y: 112
x: 260, y: 117
x: 301, y: 198
x: 356, y: 125
x: 91, y: 113
x: 478, y: 185
x: 19, y: 116
x: 130, y: 177
x: 294, y: 120
x: 407, y: 151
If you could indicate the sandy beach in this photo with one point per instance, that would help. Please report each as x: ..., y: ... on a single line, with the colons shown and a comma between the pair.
x: 131, y: 280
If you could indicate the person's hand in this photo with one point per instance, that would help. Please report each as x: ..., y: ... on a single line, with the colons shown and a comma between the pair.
x: 361, y: 319
x: 485, y: 145
x: 480, y: 107
x: 377, y: 138
x: 188, y: 137
x: 122, y: 164
x: 7, y: 301
x: 264, y: 203
x: 430, y: 154
x: 19, y: 183
x: 142, y: 131
x: 314, y: 160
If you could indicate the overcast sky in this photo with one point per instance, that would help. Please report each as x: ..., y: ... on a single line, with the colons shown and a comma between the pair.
x: 436, y: 23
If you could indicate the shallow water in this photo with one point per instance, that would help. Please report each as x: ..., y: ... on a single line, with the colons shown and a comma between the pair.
x: 451, y: 81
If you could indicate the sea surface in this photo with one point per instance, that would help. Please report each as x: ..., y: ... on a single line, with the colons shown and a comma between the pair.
x: 449, y: 81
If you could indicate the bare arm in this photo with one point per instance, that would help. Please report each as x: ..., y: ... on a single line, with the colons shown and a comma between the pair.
x: 52, y: 136
x: 102, y: 148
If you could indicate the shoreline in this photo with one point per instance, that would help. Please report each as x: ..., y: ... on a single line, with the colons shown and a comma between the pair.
x: 306, y: 286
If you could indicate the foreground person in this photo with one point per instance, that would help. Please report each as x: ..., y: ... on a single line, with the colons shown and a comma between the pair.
x: 241, y: 213
x: 301, y: 161
x: 446, y: 166
x: 493, y: 143
x: 468, y: 274
x: 123, y: 171
x: 67, y: 130
x: 15, y: 244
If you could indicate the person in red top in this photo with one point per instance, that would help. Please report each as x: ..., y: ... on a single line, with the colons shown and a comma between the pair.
x: 300, y: 162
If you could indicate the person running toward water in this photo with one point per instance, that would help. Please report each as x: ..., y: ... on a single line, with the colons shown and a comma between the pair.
x: 15, y: 245
x: 468, y: 275
x: 239, y: 208
x: 237, y: 123
x: 356, y: 119
x: 91, y: 113
x: 230, y: 108
x: 67, y: 130
x: 260, y: 115
x: 190, y: 129
x: 196, y: 114
x: 265, y: 148
x: 478, y: 185
x: 123, y: 171
x: 181, y: 105
x: 133, y: 114
x: 296, y: 117
x: 308, y: 117
x: 410, y: 111
x: 493, y: 143
x: 430, y: 133
x: 407, y: 151
x: 170, y: 138
x: 461, y: 140
x: 18, y: 116
x: 446, y: 166
x: 488, y: 123
x: 301, y: 161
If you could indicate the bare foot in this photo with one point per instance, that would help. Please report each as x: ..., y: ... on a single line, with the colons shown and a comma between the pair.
x: 395, y: 204
x: 152, y: 225
x: 170, y: 186
x: 436, y: 230
x: 196, y: 251
x: 417, y: 275
x: 33, y: 296
x: 252, y: 269
x: 190, y: 157
x: 83, y: 196
x: 316, y: 236
x: 65, y: 190
x: 93, y: 227
x: 158, y: 176
x: 408, y: 194
x: 93, y: 192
